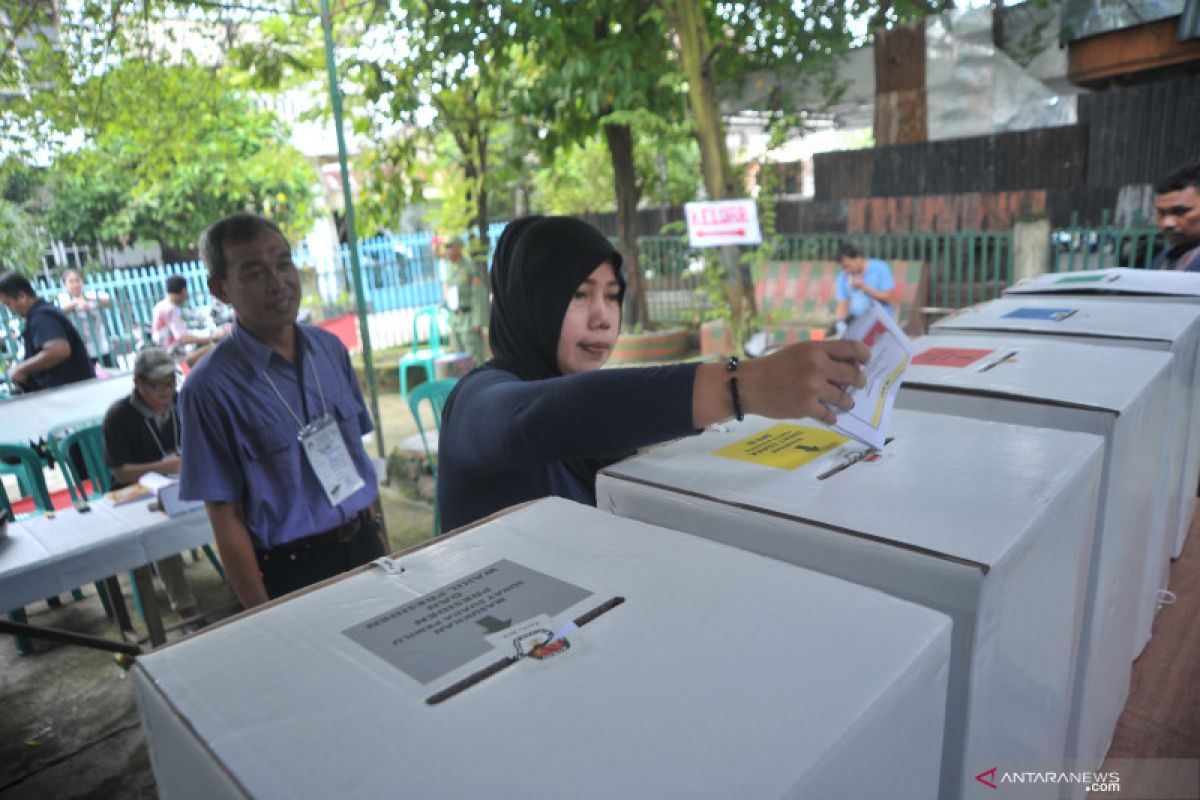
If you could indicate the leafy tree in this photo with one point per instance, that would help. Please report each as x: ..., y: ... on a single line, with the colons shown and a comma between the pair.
x: 20, y: 250
x: 171, y: 149
x: 603, y: 70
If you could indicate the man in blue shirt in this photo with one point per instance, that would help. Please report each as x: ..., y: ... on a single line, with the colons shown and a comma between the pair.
x: 272, y: 426
x: 54, y: 351
x: 861, y: 283
x: 1177, y: 206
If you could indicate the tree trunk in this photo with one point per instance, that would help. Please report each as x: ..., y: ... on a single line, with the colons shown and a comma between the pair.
x: 695, y: 54
x: 481, y: 194
x: 620, y: 148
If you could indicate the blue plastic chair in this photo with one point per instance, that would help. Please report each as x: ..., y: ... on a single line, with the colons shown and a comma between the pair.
x: 28, y: 468
x: 423, y: 357
x: 434, y: 393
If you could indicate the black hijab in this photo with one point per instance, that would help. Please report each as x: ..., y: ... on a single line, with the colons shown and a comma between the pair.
x: 538, y: 265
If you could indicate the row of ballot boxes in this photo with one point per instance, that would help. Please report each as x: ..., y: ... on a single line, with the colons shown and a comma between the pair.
x: 764, y: 610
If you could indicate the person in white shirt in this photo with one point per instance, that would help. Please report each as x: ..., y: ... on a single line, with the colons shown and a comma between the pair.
x: 84, y: 310
x: 168, y: 329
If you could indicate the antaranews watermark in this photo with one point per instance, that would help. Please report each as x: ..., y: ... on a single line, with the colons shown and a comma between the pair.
x: 1132, y: 779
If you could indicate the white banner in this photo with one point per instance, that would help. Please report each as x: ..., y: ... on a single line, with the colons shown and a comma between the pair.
x: 722, y: 222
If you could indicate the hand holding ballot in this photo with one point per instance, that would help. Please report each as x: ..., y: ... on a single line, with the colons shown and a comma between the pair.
x: 867, y: 419
x: 810, y: 379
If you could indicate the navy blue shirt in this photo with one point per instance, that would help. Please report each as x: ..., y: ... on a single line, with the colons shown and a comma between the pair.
x: 240, y: 443
x: 504, y: 441
x: 1184, y: 257
x: 43, y: 324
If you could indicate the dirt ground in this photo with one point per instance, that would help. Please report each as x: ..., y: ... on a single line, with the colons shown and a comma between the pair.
x: 68, y: 723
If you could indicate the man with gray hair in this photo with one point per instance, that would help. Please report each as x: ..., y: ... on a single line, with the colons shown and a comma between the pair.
x: 141, y: 435
x: 273, y: 420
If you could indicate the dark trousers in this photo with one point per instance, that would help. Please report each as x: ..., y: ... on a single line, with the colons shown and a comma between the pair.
x: 307, y: 561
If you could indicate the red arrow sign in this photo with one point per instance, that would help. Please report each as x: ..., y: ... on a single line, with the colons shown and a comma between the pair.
x: 726, y: 232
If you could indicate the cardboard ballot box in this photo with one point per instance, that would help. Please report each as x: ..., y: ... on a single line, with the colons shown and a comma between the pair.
x: 684, y: 669
x: 1146, y: 284
x: 1138, y: 286
x: 1174, y: 327
x: 1051, y: 383
x: 990, y: 523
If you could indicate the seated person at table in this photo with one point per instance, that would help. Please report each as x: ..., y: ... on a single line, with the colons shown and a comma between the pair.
x: 862, y: 283
x: 541, y: 417
x: 168, y: 329
x: 141, y: 434
x: 54, y: 352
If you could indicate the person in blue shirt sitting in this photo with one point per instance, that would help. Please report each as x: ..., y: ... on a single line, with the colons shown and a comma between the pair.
x: 861, y: 283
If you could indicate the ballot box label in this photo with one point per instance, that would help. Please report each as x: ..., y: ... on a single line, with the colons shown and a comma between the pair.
x: 783, y: 446
x: 441, y: 631
x: 1095, y: 278
x: 1053, y: 314
x: 949, y: 356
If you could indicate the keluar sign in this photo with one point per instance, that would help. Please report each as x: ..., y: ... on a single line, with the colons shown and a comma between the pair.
x: 722, y: 222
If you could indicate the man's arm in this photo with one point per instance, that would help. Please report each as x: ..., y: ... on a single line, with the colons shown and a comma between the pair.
x: 132, y: 473
x: 237, y: 552
x: 881, y: 295
x: 53, y: 353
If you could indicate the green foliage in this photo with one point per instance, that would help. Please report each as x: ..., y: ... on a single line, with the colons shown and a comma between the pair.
x: 19, y: 182
x: 20, y: 250
x: 173, y: 149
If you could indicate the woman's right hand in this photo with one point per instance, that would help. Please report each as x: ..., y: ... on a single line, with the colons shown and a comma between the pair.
x: 801, y: 380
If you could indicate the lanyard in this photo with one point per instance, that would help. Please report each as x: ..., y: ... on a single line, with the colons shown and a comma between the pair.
x: 154, y: 433
x: 302, y: 424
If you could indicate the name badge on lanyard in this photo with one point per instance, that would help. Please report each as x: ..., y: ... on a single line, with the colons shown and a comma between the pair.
x: 323, y: 445
x: 326, y: 452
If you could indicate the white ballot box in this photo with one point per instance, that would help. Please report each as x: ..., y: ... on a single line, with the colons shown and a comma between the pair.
x: 555, y: 649
x: 1139, y: 286
x: 1125, y: 322
x: 988, y: 522
x: 1146, y: 284
x: 1052, y: 383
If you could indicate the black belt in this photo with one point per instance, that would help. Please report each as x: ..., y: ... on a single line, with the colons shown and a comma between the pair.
x: 340, y: 535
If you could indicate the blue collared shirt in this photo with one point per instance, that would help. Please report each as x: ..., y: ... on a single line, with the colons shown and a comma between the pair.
x: 240, y: 444
x: 877, y: 275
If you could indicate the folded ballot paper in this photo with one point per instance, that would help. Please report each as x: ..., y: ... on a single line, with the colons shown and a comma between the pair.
x: 166, y: 490
x: 891, y: 351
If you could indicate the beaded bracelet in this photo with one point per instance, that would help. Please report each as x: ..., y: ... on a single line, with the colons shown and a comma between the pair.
x: 731, y: 368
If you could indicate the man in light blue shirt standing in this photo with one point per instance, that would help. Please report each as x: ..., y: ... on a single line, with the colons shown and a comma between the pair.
x: 861, y: 283
x: 272, y: 426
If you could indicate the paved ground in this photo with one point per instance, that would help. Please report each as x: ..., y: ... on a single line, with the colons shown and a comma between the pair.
x: 68, y: 725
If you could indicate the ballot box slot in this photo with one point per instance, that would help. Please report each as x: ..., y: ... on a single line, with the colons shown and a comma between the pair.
x: 1011, y: 354
x: 458, y: 687
x: 855, y: 457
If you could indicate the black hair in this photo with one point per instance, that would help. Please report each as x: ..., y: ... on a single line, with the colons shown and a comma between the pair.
x: 538, y: 265
x: 14, y: 284
x: 847, y: 250
x: 1179, y: 179
x: 176, y: 284
x: 233, y: 229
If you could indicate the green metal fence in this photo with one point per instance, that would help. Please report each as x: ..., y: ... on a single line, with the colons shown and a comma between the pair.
x: 963, y: 268
x: 1078, y: 248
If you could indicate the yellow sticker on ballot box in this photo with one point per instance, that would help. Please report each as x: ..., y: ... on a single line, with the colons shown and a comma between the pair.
x: 783, y: 446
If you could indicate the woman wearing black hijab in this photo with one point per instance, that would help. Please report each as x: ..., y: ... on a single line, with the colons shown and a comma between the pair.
x: 541, y: 418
